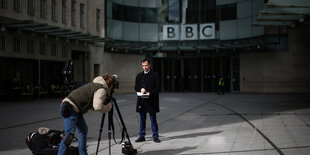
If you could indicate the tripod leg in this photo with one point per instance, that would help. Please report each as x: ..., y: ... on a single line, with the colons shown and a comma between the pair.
x: 110, y: 121
x: 121, y: 119
x: 100, y: 131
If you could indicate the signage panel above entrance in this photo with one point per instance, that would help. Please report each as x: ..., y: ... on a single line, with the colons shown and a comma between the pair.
x: 189, y: 32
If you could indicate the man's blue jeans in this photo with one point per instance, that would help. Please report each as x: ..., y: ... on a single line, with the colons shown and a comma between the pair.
x: 74, y: 121
x: 153, y: 124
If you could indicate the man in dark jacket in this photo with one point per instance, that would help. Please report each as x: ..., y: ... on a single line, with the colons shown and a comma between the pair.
x: 147, y: 82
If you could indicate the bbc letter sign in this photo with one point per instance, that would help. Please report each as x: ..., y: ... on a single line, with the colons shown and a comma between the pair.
x: 171, y: 32
x: 207, y: 31
x: 189, y: 32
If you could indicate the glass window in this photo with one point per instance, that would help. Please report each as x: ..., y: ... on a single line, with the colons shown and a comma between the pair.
x: 42, y: 48
x: 17, y: 6
x: 2, y: 43
x: 54, y: 49
x: 174, y: 11
x: 64, y: 51
x: 82, y: 6
x: 3, y: 4
x: 64, y: 11
x: 54, y: 10
x: 117, y: 11
x: 97, y: 20
x: 148, y: 15
x: 31, y: 8
x: 188, y: 11
x: 131, y: 14
x: 30, y: 47
x: 207, y: 11
x: 228, y: 11
x: 43, y: 11
x: 134, y: 14
x: 73, y: 3
x: 16, y: 44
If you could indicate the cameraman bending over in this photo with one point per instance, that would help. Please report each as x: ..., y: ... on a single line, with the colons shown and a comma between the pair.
x: 79, y: 101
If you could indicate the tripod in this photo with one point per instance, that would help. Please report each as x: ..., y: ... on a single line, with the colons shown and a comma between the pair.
x: 128, y: 149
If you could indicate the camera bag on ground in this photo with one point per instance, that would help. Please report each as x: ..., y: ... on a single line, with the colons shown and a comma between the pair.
x: 46, y: 142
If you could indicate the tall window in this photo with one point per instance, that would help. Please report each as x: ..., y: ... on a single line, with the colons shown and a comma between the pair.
x: 200, y: 11
x: 82, y: 6
x: 2, y: 42
x: 42, y: 48
x: 228, y: 11
x: 54, y: 10
x: 30, y: 47
x: 31, y: 8
x: 43, y: 9
x: 3, y: 4
x: 54, y: 49
x: 174, y: 11
x: 16, y: 44
x: 17, y: 6
x: 97, y: 20
x: 64, y: 11
x: 73, y: 3
x: 134, y: 14
x: 64, y: 51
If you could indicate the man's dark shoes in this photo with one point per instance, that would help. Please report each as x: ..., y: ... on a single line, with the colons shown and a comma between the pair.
x: 156, y: 140
x: 140, y: 139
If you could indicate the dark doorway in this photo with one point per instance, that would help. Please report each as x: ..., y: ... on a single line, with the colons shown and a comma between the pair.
x: 193, y: 74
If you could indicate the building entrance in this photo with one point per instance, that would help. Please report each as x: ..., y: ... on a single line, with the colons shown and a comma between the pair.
x: 194, y: 74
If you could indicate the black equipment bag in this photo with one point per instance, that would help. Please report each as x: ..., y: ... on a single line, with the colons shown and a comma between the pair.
x: 47, y: 143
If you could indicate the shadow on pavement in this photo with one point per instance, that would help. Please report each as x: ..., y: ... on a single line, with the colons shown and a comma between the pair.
x: 193, y: 135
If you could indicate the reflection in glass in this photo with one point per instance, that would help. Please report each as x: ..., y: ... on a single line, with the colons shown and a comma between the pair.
x: 174, y: 10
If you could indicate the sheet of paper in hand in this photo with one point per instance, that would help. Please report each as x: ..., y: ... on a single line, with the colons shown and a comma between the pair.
x: 142, y: 95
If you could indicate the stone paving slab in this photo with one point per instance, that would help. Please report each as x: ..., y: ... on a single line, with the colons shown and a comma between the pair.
x: 189, y: 124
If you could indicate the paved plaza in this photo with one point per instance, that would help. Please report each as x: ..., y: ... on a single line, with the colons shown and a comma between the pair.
x: 189, y: 124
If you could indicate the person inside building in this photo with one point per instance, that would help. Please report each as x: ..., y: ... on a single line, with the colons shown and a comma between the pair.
x: 90, y: 96
x: 221, y: 86
x: 147, y: 83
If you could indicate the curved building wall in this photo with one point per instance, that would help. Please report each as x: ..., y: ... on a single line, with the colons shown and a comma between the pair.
x: 130, y: 25
x: 136, y: 24
x: 241, y: 27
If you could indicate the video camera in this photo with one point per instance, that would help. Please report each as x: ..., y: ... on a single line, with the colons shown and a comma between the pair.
x: 115, y: 86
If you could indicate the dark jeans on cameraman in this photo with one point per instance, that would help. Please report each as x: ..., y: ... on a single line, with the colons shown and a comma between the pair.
x: 71, y: 123
x: 153, y: 123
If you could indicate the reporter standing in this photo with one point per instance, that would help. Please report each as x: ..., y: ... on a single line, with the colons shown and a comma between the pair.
x: 147, y: 82
x: 90, y: 96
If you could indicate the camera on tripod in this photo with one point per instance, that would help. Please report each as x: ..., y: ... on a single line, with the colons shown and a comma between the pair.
x: 127, y: 147
x: 115, y: 86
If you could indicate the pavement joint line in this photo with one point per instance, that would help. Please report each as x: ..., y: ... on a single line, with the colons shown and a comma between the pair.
x: 163, y: 122
x: 260, y: 132
x: 20, y: 125
x: 243, y: 151
x: 198, y: 106
x: 297, y: 115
